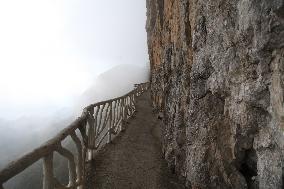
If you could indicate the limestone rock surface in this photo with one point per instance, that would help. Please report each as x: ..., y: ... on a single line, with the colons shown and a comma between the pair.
x: 217, y: 76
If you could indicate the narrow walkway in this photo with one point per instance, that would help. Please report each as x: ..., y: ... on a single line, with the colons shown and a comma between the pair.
x: 134, y: 159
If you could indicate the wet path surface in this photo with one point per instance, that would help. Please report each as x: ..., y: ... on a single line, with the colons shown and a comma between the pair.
x: 134, y: 159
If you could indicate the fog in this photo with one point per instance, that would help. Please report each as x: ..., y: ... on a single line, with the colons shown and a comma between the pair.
x: 57, y: 57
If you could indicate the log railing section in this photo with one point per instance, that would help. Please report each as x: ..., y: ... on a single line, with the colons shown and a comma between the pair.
x: 96, y: 126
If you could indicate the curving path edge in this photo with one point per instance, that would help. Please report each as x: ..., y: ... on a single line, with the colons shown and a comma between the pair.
x: 134, y: 159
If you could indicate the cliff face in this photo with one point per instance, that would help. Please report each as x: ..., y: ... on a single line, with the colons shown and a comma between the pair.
x: 217, y: 73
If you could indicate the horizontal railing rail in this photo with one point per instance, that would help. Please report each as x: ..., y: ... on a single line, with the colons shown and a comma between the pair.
x: 96, y: 126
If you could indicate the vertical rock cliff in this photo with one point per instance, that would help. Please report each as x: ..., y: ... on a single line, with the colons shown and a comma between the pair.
x: 217, y: 75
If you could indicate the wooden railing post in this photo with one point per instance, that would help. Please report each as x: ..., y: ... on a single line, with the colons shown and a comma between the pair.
x: 79, y: 160
x: 91, y: 132
x: 123, y: 109
x: 110, y: 124
x: 112, y: 119
x: 71, y: 164
x: 48, y: 178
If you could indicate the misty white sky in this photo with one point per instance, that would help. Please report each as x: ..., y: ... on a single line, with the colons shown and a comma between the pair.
x: 52, y: 50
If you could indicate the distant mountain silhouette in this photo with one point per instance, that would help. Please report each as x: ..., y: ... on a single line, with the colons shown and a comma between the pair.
x: 113, y: 83
x: 28, y: 132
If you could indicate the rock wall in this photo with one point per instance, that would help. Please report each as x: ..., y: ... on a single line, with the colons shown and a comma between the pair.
x: 217, y: 76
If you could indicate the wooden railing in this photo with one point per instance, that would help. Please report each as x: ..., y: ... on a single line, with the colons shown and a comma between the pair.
x: 95, y: 127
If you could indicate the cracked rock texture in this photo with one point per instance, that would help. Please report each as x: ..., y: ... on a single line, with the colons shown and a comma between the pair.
x: 217, y: 76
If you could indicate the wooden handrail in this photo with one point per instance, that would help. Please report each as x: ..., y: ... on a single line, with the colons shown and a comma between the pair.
x: 97, y: 121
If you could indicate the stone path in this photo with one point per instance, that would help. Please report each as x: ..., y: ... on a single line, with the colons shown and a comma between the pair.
x: 134, y: 159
